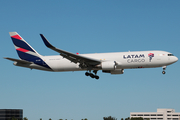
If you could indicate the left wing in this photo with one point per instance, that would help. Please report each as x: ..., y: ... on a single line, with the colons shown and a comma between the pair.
x: 85, y: 62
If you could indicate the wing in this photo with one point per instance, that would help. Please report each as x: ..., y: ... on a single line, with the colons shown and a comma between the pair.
x: 85, y: 62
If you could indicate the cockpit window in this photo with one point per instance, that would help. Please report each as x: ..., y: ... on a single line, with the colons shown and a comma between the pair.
x: 170, y: 55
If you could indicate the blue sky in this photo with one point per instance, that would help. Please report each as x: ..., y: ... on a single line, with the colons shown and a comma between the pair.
x: 94, y: 26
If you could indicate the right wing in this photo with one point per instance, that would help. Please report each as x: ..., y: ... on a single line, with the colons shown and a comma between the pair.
x: 84, y: 61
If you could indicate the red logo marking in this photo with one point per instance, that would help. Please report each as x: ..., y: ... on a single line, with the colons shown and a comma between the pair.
x: 16, y: 37
x: 22, y: 50
x: 151, y: 54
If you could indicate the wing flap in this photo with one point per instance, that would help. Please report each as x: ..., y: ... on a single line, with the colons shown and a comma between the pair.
x: 71, y: 56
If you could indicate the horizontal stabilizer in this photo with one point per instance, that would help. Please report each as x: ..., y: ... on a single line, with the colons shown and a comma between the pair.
x: 19, y: 61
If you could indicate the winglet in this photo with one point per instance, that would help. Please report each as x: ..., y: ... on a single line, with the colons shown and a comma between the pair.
x: 46, y: 42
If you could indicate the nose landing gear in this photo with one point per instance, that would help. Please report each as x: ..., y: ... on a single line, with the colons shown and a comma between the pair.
x: 163, y: 72
x: 164, y: 68
x: 92, y: 75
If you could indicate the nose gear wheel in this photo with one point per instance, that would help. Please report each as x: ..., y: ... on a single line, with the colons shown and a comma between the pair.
x: 164, y: 68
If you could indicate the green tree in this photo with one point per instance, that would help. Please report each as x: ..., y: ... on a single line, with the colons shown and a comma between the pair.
x: 127, y: 118
x: 109, y: 118
x: 139, y: 118
x: 50, y: 119
x: 13, y: 118
x: 25, y: 118
x: 122, y: 119
x: 40, y: 118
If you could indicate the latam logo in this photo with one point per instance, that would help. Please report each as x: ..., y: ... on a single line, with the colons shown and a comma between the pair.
x: 150, y: 55
x: 133, y: 56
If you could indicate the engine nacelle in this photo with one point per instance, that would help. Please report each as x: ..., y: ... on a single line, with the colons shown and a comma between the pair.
x: 117, y: 71
x: 108, y: 65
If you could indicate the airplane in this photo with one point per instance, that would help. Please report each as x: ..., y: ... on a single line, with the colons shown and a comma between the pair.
x: 113, y: 63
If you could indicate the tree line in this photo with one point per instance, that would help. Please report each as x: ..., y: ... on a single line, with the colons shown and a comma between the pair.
x: 104, y: 118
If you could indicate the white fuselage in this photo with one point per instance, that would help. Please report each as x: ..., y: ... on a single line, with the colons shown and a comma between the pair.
x: 124, y: 60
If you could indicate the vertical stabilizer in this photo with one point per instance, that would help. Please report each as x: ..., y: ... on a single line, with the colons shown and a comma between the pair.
x: 24, y: 50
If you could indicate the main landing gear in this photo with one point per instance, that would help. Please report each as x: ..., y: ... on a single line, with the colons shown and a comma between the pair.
x: 164, y: 68
x: 92, y: 75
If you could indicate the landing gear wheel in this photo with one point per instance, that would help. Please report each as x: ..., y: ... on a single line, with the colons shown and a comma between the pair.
x: 163, y: 72
x: 87, y: 74
x: 92, y: 75
x: 97, y: 77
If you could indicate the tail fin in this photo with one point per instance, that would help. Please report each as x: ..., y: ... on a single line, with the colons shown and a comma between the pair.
x: 24, y: 50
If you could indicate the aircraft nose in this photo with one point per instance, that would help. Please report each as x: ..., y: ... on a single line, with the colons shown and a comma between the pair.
x: 175, y: 59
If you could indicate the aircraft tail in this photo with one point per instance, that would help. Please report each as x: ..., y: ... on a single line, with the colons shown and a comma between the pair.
x: 24, y: 50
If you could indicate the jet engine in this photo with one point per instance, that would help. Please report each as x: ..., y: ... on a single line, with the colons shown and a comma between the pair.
x: 108, y: 65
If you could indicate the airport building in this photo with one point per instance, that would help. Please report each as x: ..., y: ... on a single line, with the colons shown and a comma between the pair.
x: 7, y: 114
x: 161, y: 114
